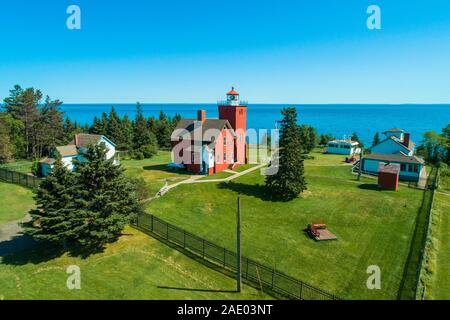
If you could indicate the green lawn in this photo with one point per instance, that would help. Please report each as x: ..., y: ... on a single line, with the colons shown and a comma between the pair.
x: 154, y: 171
x: 244, y: 167
x: 218, y: 175
x: 374, y: 227
x: 440, y: 287
x: 15, y: 202
x: 136, y: 267
x: 444, y: 184
x: 20, y: 165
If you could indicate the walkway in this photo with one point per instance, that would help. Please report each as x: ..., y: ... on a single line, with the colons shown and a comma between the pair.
x: 197, y: 179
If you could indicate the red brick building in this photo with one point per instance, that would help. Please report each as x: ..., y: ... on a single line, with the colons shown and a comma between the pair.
x: 207, y: 146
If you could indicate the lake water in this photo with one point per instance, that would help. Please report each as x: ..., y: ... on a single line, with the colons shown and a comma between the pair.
x: 339, y: 120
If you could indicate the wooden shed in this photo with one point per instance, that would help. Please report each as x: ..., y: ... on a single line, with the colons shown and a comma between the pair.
x: 388, y: 176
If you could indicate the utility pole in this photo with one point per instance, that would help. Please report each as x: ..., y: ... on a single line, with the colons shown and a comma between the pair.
x: 238, y: 245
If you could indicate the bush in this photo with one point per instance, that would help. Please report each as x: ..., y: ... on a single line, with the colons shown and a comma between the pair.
x: 141, y: 188
x: 444, y: 170
x: 138, y: 155
x: 36, y: 169
x: 148, y: 150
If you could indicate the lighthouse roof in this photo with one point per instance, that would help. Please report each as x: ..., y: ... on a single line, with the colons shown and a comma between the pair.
x: 233, y: 92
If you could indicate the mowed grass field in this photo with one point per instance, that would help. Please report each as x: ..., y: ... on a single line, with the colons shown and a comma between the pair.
x: 20, y: 165
x: 15, y: 202
x: 374, y: 227
x: 135, y: 267
x: 154, y: 171
x: 441, y: 277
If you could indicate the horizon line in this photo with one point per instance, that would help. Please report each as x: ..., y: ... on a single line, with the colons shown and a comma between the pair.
x: 262, y: 103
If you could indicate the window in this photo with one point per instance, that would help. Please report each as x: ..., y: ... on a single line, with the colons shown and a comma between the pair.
x: 403, y: 167
x: 224, y: 140
x: 224, y: 157
x: 192, y: 157
x: 416, y: 168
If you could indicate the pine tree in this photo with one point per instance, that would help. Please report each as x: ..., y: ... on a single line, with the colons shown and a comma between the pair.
x: 23, y: 105
x: 144, y: 141
x: 286, y: 179
x: 376, y: 139
x: 163, y: 130
x: 114, y: 128
x: 356, y: 138
x: 55, y: 219
x: 127, y: 131
x: 97, y: 126
x: 106, y: 198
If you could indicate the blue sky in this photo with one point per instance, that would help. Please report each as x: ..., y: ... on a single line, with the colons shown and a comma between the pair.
x: 299, y: 51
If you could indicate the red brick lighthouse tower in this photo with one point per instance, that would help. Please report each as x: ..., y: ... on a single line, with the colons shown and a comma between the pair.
x: 236, y: 114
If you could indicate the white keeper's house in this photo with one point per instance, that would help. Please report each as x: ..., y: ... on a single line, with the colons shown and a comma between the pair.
x: 75, y: 150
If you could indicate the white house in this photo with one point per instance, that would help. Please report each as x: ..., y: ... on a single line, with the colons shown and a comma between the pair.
x: 75, y: 150
x: 397, y: 148
x: 346, y: 147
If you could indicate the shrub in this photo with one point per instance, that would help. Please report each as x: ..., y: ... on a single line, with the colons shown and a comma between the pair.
x: 148, y: 150
x: 138, y: 155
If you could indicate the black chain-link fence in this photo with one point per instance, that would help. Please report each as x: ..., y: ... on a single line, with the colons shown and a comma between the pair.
x: 259, y: 274
x: 19, y: 178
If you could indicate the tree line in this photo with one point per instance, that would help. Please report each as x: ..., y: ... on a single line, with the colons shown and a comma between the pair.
x: 435, y: 148
x: 32, y: 125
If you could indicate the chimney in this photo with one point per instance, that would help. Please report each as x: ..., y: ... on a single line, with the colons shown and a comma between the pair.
x: 201, y: 115
x: 406, y: 137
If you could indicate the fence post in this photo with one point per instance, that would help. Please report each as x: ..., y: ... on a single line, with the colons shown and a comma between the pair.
x: 167, y: 231
x: 152, y: 222
x: 224, y: 256
x: 273, y: 275
x: 246, y: 273
x: 301, y: 290
x: 203, y: 250
x: 184, y: 239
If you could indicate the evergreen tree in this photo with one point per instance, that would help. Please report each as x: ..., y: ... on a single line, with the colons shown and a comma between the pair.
x: 49, y: 130
x: 164, y: 130
x: 54, y: 218
x: 98, y: 126
x: 106, y: 198
x: 356, y: 138
x: 127, y: 134
x: 144, y: 141
x: 23, y: 105
x: 114, y: 128
x: 286, y: 179
x: 376, y: 139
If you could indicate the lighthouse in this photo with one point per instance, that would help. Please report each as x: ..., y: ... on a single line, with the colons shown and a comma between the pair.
x: 235, y: 112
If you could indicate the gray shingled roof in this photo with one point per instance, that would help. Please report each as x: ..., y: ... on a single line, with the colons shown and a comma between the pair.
x: 212, y: 126
x: 84, y: 139
x: 395, y: 158
x: 394, y: 130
